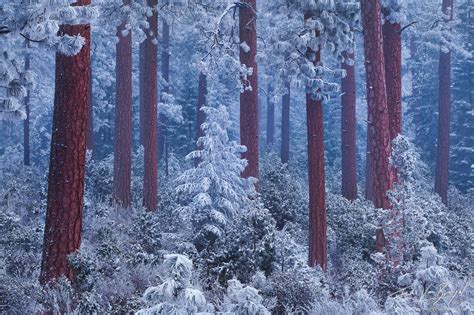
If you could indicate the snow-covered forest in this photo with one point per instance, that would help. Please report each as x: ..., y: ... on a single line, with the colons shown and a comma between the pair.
x: 236, y: 157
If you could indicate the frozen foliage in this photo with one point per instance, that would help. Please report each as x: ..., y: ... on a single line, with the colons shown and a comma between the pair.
x: 430, y: 287
x: 175, y: 295
x: 243, y: 299
x: 327, y: 28
x: 249, y: 249
x: 35, y: 22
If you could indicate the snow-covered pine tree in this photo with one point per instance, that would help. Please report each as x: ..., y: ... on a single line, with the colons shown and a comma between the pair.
x: 214, y: 191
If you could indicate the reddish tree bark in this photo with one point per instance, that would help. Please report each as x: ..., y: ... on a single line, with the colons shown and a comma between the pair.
x: 150, y: 127
x: 62, y: 233
x: 123, y: 117
x: 200, y: 115
x: 316, y: 181
x: 444, y: 117
x: 26, y: 122
x: 249, y: 98
x: 369, y: 172
x: 285, y: 126
x: 392, y: 47
x: 348, y: 132
x: 270, y: 120
x: 378, y: 124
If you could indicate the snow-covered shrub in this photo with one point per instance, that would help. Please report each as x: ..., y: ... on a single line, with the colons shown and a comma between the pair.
x: 430, y: 287
x: 248, y: 247
x: 176, y: 295
x: 242, y: 299
x: 100, y: 174
x: 281, y: 193
x: 351, y: 241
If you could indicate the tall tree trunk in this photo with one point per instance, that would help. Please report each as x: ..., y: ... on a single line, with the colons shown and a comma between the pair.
x: 249, y: 98
x: 444, y: 118
x: 200, y: 115
x: 123, y: 117
x: 348, y: 132
x: 270, y: 120
x: 378, y: 124
x: 316, y: 181
x: 26, y: 122
x: 285, y: 126
x: 165, y: 72
x: 150, y: 127
x: 392, y: 47
x: 369, y: 171
x: 62, y: 233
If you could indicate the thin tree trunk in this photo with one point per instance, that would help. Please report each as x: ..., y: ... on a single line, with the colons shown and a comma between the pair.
x: 378, y: 124
x: 444, y: 118
x: 62, y: 233
x: 285, y: 126
x: 316, y: 181
x: 348, y: 132
x: 270, y: 119
x: 150, y: 127
x: 123, y: 117
x: 200, y: 115
x: 26, y: 122
x: 249, y: 98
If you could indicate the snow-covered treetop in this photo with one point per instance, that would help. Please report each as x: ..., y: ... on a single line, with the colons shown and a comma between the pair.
x: 37, y: 22
x: 300, y: 29
x: 434, y: 29
x: 394, y: 11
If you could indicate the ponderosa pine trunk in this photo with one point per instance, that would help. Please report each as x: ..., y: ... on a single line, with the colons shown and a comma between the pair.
x: 26, y: 122
x: 444, y: 117
x: 200, y: 115
x: 270, y: 120
x: 369, y: 176
x: 392, y: 47
x: 285, y: 126
x: 123, y: 117
x: 316, y: 180
x: 150, y: 113
x: 249, y: 98
x: 62, y: 233
x: 348, y: 131
x: 378, y: 122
